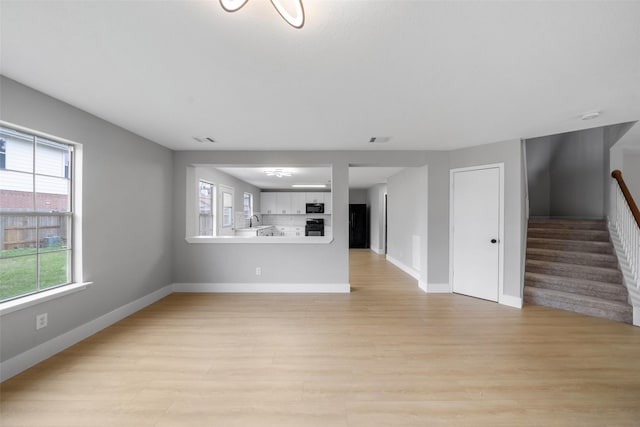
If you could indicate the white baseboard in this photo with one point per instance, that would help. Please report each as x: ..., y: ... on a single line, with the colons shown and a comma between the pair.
x: 510, y: 301
x: 410, y: 271
x: 422, y: 285
x: 35, y: 355
x: 378, y: 251
x: 438, y: 288
x: 263, y: 287
x: 636, y: 316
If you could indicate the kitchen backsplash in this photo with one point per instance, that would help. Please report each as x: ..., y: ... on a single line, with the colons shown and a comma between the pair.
x: 282, y: 220
x: 292, y: 220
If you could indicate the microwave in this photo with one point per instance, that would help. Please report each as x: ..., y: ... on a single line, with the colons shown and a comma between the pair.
x: 315, y: 208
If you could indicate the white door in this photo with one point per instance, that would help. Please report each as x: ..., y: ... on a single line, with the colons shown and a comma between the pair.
x: 476, y: 231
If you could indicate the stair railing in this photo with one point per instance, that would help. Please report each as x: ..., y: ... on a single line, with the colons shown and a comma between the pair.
x: 627, y: 223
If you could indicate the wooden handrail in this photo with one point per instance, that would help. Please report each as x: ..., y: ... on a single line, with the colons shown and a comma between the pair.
x: 627, y: 195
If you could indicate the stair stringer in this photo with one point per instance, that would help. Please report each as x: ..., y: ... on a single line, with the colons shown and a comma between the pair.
x: 627, y: 277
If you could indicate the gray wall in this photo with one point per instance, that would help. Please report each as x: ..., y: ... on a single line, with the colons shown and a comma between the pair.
x: 509, y: 153
x: 631, y: 172
x: 357, y: 196
x: 566, y: 174
x: 127, y: 216
x: 280, y: 263
x: 375, y: 200
x: 406, y: 213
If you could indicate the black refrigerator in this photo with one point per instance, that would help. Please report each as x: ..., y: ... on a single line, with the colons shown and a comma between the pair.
x: 358, y: 230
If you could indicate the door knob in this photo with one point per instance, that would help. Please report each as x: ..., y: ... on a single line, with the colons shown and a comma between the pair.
x: 494, y: 241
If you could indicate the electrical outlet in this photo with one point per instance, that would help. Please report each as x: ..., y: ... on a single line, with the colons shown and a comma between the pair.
x: 42, y: 321
x: 258, y: 271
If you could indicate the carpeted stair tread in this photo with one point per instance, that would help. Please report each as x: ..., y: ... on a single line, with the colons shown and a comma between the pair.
x: 570, y: 245
x: 569, y: 234
x: 573, y: 257
x: 592, y: 306
x: 582, y: 224
x: 609, y: 291
x: 599, y: 274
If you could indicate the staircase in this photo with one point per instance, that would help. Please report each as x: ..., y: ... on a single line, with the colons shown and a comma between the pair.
x: 571, y: 266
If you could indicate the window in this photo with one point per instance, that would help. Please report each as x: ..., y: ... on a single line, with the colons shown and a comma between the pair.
x: 248, y: 205
x: 227, y: 209
x: 36, y: 213
x: 3, y: 152
x: 206, y: 209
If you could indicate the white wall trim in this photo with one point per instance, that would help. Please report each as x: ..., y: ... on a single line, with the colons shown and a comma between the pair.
x: 510, y: 301
x: 263, y: 287
x: 379, y: 251
x: 438, y: 288
x: 410, y: 271
x: 35, y: 355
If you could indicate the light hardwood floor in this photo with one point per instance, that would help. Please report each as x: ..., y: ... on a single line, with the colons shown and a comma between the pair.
x: 384, y: 355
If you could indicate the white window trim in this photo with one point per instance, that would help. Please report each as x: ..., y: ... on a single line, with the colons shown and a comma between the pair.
x: 250, y: 204
x: 228, y: 190
x: 214, y: 201
x: 78, y: 283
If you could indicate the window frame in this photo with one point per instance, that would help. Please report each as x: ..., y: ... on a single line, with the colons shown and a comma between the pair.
x: 212, y: 201
x: 73, y: 216
x: 223, y: 215
x: 3, y: 153
x: 249, y: 214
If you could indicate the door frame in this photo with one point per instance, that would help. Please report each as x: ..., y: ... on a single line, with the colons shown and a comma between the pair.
x: 500, y: 167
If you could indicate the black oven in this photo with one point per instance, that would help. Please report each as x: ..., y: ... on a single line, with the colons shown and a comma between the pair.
x: 315, y: 208
x: 314, y: 227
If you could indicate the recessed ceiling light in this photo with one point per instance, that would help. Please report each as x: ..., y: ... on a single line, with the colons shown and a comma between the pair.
x: 591, y: 115
x: 309, y: 186
x: 379, y: 139
x: 204, y: 139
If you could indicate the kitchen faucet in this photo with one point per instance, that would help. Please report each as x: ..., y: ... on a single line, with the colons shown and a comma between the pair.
x: 251, y: 220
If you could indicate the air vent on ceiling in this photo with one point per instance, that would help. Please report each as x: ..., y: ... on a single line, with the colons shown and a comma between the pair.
x: 204, y: 139
x: 379, y: 139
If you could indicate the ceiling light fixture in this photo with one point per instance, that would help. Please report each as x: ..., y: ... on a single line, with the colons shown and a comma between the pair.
x: 589, y: 116
x: 309, y: 186
x: 296, y: 21
x: 279, y: 173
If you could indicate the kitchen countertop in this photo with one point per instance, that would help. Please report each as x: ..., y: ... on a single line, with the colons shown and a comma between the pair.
x: 260, y: 227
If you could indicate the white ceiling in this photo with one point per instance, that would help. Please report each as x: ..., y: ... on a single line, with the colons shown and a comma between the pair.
x: 430, y: 74
x: 359, y: 176
x: 300, y: 175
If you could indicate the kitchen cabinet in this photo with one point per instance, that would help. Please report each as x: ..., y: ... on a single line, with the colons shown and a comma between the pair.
x: 314, y: 197
x: 327, y: 203
x: 292, y: 203
x: 289, y: 231
x: 298, y: 203
x: 283, y: 203
x: 268, y: 203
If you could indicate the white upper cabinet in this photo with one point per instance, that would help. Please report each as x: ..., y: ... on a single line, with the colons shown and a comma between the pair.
x: 298, y: 203
x: 314, y: 197
x: 291, y: 203
x: 268, y: 203
x: 327, y: 203
x: 283, y: 203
